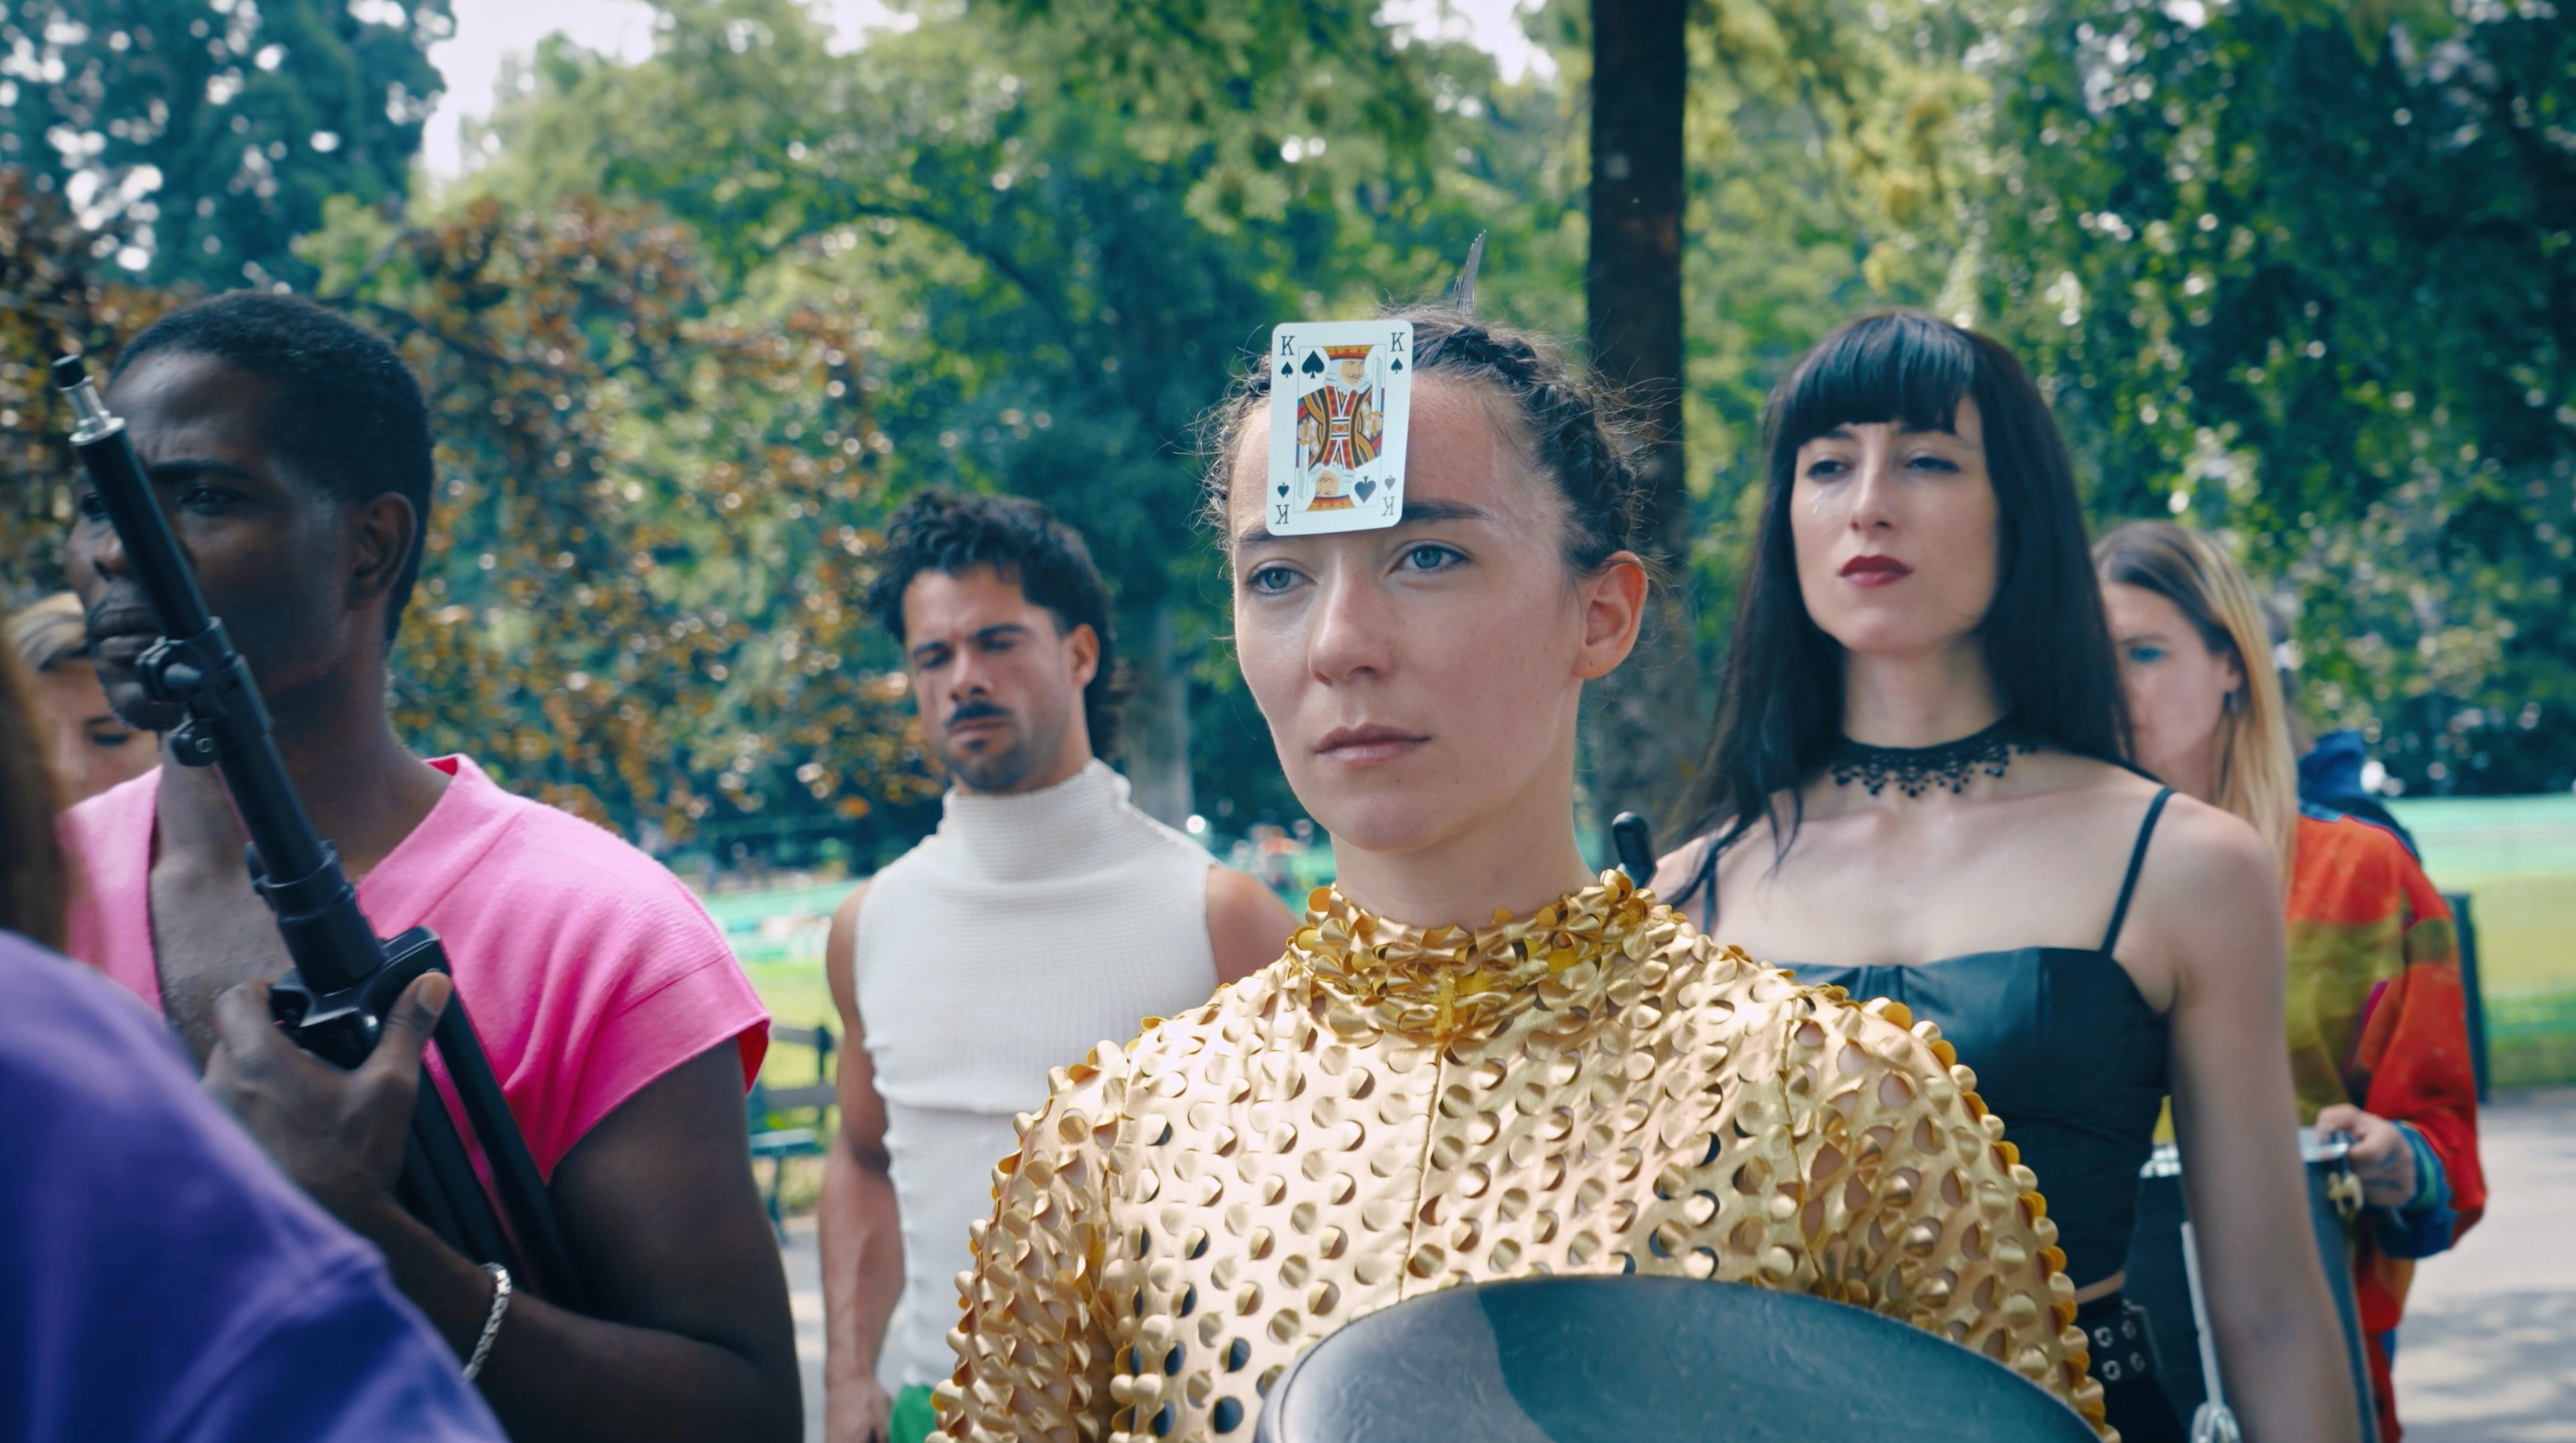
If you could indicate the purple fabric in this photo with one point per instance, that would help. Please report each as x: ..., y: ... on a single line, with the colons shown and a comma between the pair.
x: 159, y: 1280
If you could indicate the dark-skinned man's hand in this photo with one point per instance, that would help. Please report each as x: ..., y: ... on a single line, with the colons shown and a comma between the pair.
x: 338, y: 1135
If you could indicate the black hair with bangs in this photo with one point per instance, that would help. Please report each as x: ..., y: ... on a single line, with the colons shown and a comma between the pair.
x: 2047, y: 647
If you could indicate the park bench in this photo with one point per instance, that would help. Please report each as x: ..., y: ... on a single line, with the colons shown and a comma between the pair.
x: 775, y: 1132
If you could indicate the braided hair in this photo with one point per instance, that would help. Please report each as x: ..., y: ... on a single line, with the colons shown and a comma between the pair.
x: 1568, y: 426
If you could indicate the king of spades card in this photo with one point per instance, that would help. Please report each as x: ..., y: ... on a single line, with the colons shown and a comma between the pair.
x: 1341, y: 396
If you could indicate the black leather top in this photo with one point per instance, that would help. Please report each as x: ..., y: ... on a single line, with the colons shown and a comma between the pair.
x: 2066, y: 1051
x: 2069, y: 1054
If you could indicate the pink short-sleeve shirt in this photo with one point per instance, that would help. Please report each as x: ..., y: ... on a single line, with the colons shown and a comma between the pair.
x: 588, y: 970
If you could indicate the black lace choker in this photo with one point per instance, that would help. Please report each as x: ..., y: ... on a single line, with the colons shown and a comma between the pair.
x: 1915, y: 770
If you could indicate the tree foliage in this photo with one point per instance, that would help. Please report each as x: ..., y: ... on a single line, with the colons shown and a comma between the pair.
x: 2314, y: 282
x: 53, y: 300
x: 1833, y: 148
x: 2293, y: 269
x: 639, y: 594
x: 638, y: 599
x: 1050, y: 294
x: 198, y: 138
x: 1239, y: 92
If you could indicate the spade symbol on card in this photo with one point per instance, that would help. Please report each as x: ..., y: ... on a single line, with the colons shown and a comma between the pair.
x: 1314, y: 363
x: 1364, y: 488
x: 1283, y: 488
x: 1395, y: 365
x: 1287, y: 370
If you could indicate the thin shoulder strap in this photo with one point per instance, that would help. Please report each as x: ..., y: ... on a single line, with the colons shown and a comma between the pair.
x: 2137, y: 863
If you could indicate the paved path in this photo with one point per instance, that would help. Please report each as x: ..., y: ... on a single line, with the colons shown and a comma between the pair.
x: 805, y: 1297
x: 2488, y: 1353
x: 2488, y: 1350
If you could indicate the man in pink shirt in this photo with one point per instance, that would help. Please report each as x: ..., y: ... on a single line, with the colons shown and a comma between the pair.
x: 291, y: 451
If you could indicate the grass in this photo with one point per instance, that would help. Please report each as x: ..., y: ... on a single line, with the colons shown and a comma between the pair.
x: 2516, y: 858
x: 2531, y: 1041
x: 795, y: 994
x: 2526, y: 937
x: 2526, y: 934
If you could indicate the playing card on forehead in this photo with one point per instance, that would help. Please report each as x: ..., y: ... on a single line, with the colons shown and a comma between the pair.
x: 1341, y: 402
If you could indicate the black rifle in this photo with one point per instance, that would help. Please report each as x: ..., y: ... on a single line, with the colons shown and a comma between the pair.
x: 334, y: 1001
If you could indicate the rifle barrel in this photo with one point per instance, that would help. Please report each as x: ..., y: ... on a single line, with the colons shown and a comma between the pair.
x: 116, y: 473
x: 325, y: 934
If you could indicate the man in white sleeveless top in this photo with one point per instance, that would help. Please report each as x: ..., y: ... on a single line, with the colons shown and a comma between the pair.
x: 1044, y: 915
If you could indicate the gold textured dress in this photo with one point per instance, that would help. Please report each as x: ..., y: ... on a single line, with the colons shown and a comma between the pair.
x: 1384, y: 1111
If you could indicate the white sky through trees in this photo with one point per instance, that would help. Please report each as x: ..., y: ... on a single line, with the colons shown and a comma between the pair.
x: 490, y: 32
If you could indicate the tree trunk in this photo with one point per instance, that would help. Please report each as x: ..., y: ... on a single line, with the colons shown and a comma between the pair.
x: 1645, y: 727
x: 1155, y: 728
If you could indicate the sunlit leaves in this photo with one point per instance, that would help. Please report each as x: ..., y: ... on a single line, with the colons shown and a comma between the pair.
x: 55, y: 296
x: 1253, y: 101
x: 2313, y: 284
x: 1047, y: 297
x: 652, y: 527
x: 198, y: 138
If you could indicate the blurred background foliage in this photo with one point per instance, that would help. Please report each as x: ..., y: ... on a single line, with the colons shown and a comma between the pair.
x: 2308, y: 273
x: 2295, y: 270
x: 188, y: 145
x: 638, y: 554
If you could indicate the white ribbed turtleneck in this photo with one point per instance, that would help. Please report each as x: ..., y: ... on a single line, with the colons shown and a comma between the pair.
x: 1023, y: 932
x: 1079, y: 826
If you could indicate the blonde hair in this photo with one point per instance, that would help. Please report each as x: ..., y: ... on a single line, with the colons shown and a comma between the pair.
x: 2258, y: 773
x: 50, y: 632
x: 33, y: 878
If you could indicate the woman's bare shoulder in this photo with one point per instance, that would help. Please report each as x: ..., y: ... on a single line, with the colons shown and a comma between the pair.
x: 1678, y: 868
x: 2052, y: 771
x: 2209, y: 891
x: 2193, y: 844
x: 2200, y: 842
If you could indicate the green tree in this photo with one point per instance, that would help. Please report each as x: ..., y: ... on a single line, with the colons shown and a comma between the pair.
x: 638, y: 598
x: 1051, y: 288
x: 198, y: 138
x: 2307, y: 275
x: 1240, y: 93
x: 1826, y: 149
x: 54, y: 297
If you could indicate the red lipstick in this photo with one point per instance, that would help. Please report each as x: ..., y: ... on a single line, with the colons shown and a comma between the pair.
x: 1875, y: 571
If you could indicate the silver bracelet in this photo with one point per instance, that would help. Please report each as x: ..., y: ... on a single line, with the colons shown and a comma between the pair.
x: 492, y: 1324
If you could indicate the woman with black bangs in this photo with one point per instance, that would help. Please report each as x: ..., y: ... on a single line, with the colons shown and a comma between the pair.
x: 1917, y: 789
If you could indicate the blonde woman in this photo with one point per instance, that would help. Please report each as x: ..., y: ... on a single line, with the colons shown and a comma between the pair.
x: 2377, y: 1027
x: 89, y: 747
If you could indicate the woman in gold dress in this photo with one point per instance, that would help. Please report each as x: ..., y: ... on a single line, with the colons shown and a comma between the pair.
x: 1475, y: 1059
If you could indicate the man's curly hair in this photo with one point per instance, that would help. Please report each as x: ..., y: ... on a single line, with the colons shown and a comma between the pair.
x: 949, y: 531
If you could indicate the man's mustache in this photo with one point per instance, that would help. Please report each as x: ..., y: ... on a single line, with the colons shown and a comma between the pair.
x: 975, y: 711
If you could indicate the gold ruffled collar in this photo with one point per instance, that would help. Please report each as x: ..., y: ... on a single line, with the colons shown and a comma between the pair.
x: 1443, y: 981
